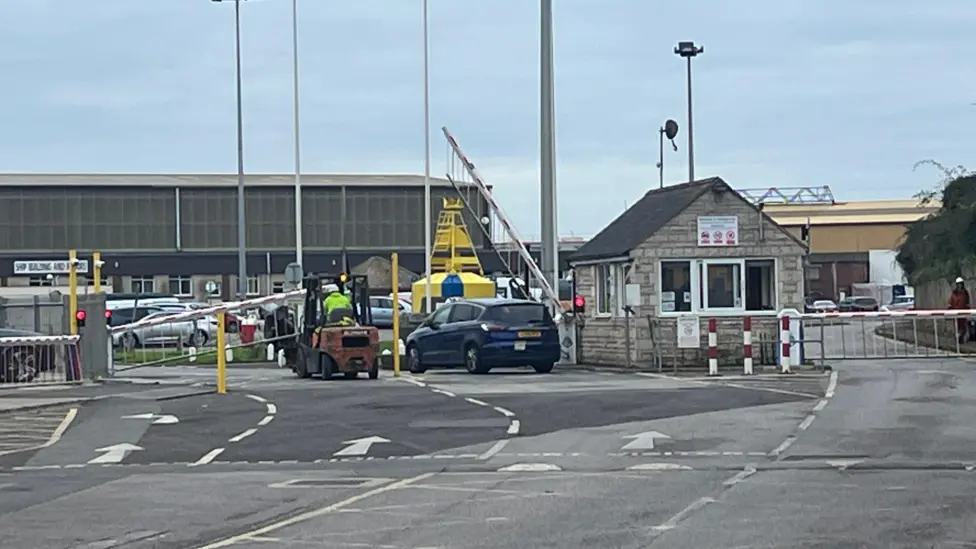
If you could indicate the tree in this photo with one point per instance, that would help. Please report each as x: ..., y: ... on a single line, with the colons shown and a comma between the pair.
x: 942, y: 245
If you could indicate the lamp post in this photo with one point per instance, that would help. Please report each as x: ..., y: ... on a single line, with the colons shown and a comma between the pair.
x: 547, y: 142
x: 241, y: 232
x: 427, y: 213
x: 689, y: 51
x: 298, y: 149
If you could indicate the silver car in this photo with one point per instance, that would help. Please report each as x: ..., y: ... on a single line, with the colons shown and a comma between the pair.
x: 191, y: 333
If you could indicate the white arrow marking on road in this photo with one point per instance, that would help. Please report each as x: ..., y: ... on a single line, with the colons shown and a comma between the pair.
x: 158, y: 420
x: 360, y: 446
x: 115, y: 453
x: 643, y: 441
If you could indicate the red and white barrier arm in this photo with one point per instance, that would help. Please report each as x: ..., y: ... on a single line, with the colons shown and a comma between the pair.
x: 895, y: 314
x: 29, y: 340
x: 200, y: 313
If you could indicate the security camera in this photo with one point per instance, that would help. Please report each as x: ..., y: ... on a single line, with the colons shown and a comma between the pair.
x: 49, y: 276
x: 99, y: 263
x: 75, y: 262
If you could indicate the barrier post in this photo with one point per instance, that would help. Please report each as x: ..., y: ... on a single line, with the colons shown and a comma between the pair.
x: 97, y: 270
x: 784, y: 337
x: 712, y: 347
x: 221, y: 353
x: 73, y: 290
x: 747, y: 345
x: 395, y: 260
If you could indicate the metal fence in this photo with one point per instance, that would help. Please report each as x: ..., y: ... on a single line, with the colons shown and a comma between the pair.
x: 827, y: 340
x: 41, y: 314
x: 39, y: 360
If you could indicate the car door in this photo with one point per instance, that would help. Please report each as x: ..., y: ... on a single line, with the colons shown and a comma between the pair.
x: 382, y: 311
x: 456, y: 332
x: 430, y: 343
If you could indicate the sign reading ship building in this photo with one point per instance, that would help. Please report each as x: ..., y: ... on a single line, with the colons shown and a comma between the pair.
x: 61, y: 266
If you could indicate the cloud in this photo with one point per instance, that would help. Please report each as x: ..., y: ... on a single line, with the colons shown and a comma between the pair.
x: 788, y: 93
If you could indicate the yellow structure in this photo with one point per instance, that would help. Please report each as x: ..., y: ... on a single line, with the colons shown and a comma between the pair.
x: 395, y: 260
x: 453, y: 253
x: 453, y: 249
x: 474, y: 286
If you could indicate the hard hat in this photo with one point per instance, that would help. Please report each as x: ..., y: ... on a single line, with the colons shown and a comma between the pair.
x: 329, y: 288
x: 959, y: 280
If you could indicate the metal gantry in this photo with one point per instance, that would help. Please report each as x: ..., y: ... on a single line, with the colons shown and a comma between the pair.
x: 789, y: 195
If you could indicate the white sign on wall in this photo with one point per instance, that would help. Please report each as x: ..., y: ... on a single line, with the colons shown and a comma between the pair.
x: 40, y: 267
x: 689, y: 332
x: 718, y: 230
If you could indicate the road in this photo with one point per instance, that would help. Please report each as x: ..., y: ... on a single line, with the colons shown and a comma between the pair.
x: 879, y: 455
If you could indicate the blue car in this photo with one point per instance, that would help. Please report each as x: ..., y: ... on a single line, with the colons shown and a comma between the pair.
x: 486, y: 333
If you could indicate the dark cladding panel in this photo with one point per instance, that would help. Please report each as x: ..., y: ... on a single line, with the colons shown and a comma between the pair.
x: 208, y: 218
x: 322, y: 217
x: 87, y: 218
x: 270, y: 216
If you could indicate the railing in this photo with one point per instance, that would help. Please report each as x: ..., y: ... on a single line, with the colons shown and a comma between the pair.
x: 36, y: 360
x: 191, y: 337
x: 884, y: 335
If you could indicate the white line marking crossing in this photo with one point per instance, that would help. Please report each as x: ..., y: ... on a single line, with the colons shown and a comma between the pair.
x: 493, y: 451
x: 265, y: 420
x: 243, y: 435
x: 476, y: 401
x: 807, y: 421
x: 514, y: 426
x: 443, y: 392
x: 209, y: 457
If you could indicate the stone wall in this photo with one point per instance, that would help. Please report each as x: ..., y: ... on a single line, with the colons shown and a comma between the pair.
x: 653, y: 337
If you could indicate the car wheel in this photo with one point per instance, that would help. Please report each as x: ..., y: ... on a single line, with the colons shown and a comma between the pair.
x: 198, y: 338
x: 542, y: 368
x: 129, y: 341
x: 413, y: 361
x: 472, y: 360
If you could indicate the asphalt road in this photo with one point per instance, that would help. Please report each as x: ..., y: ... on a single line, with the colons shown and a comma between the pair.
x: 880, y: 456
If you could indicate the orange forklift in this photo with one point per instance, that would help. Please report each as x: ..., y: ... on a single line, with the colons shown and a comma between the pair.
x: 347, y: 343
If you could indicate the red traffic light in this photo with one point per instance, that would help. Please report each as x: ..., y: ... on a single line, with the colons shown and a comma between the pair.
x: 579, y: 302
x: 81, y: 315
x: 108, y: 314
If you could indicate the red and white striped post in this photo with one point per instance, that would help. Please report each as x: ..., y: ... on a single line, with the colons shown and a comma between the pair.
x: 747, y: 345
x: 712, y: 347
x: 784, y: 337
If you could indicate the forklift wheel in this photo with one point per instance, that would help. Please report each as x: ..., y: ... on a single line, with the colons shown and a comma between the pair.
x: 374, y: 370
x: 326, y: 366
x: 301, y: 364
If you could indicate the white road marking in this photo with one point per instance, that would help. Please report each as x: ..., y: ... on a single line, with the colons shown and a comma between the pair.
x: 783, y: 447
x: 514, y: 426
x: 315, y: 513
x: 443, y: 392
x: 55, y: 436
x: 243, y: 435
x: 257, y: 398
x: 831, y: 385
x: 476, y: 401
x: 820, y: 405
x: 209, y: 457
x: 414, y: 381
x: 272, y: 409
x: 740, y: 476
x: 265, y: 420
x: 672, y: 522
x: 497, y: 447
x: 807, y: 421
x: 529, y: 468
x: 659, y: 467
x: 503, y: 411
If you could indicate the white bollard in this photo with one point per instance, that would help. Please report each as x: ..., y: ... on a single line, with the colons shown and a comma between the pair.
x: 269, y: 352
x: 386, y: 352
x: 281, y: 358
x: 193, y: 354
x: 229, y: 354
x: 402, y: 348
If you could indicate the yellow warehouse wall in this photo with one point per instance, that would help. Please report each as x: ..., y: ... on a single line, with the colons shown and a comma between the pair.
x: 853, y: 238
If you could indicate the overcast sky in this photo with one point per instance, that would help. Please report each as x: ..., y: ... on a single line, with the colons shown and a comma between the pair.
x: 788, y: 93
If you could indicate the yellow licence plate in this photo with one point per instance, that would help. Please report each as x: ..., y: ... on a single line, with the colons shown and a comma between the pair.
x: 530, y: 334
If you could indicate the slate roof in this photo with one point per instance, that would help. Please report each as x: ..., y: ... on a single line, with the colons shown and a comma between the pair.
x: 652, y: 212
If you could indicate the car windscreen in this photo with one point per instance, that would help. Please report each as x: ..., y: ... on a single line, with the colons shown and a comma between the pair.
x: 520, y: 314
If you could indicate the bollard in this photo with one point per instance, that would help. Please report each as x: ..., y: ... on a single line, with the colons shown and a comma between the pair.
x: 747, y: 345
x: 712, y: 347
x: 270, y: 352
x: 193, y: 354
x: 282, y: 362
x: 784, y: 335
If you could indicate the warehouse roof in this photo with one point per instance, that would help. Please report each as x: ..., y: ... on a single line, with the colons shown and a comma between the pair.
x: 851, y: 213
x: 214, y: 180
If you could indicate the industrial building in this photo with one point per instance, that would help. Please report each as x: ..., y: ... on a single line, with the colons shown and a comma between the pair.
x: 175, y: 233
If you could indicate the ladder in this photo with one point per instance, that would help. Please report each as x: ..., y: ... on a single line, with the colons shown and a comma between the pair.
x: 453, y: 249
x: 482, y: 187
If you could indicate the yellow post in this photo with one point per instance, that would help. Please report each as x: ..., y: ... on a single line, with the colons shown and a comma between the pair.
x: 73, y: 290
x: 396, y: 314
x: 221, y: 353
x: 97, y: 270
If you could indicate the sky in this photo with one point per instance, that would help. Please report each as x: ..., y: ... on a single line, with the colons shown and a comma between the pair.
x: 788, y: 93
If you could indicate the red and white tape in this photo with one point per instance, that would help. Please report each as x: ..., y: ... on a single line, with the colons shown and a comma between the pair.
x: 895, y: 314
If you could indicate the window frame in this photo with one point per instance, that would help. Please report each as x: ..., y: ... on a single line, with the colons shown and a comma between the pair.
x: 180, y: 280
x: 256, y: 281
x: 613, y: 277
x: 690, y: 264
x: 278, y: 287
x: 141, y: 281
x: 699, y: 287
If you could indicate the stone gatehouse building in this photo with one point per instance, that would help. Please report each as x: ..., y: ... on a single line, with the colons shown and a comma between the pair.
x: 694, y: 250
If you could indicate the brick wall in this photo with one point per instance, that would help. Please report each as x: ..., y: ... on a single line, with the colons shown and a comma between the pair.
x: 603, y: 339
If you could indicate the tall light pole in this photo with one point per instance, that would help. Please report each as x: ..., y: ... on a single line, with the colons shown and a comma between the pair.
x: 689, y: 51
x: 298, y: 148
x: 241, y: 232
x: 427, y: 213
x: 547, y: 142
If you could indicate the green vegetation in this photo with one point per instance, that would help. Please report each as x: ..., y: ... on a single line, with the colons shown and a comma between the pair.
x: 942, y: 245
x: 255, y: 353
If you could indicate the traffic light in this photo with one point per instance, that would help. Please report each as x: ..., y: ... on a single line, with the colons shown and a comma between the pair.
x: 343, y: 278
x: 579, y: 304
x: 80, y: 316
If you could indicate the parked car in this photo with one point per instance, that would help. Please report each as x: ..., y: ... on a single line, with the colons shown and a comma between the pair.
x: 858, y: 304
x: 823, y: 306
x: 383, y: 311
x: 482, y: 334
x: 23, y: 363
x: 192, y: 333
x: 901, y: 303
